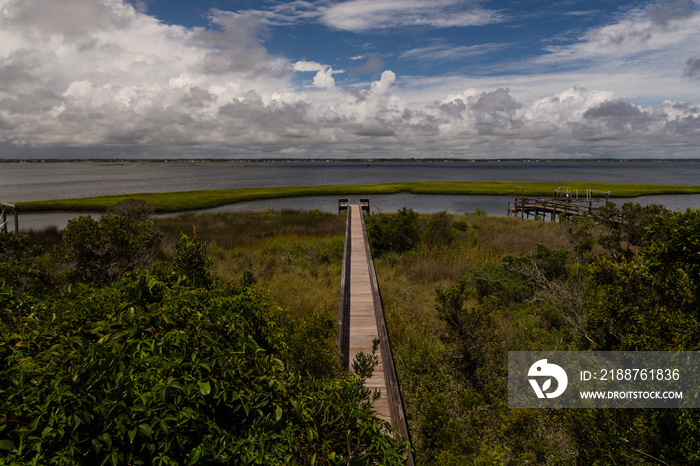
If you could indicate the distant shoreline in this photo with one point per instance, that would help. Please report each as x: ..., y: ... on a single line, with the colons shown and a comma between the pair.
x: 196, y: 200
x: 197, y: 161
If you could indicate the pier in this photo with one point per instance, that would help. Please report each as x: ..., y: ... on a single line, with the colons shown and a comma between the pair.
x: 564, y: 203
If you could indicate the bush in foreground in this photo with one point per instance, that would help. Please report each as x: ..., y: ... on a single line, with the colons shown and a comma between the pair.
x: 152, y: 370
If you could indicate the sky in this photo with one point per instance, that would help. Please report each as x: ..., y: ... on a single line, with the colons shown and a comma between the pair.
x: 357, y: 79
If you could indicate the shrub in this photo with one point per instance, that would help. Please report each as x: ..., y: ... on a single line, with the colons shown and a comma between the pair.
x: 438, y: 230
x: 310, y: 346
x: 21, y: 265
x: 101, y: 251
x: 191, y: 261
x: 186, y: 376
x: 393, y: 233
x: 624, y: 228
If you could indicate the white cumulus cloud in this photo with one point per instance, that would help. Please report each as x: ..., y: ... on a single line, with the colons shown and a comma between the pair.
x: 100, y: 77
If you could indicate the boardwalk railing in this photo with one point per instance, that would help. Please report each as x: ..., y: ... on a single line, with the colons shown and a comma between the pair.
x: 342, y: 339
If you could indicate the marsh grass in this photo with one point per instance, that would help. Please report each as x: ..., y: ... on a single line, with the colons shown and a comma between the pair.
x: 47, y: 238
x: 297, y: 256
x: 230, y: 230
x: 191, y: 200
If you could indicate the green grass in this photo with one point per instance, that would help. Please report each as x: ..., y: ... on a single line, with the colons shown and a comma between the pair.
x: 190, y: 200
x: 295, y: 255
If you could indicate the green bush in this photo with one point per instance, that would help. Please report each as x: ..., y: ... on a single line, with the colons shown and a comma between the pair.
x: 650, y: 302
x: 625, y: 228
x: 23, y: 266
x: 310, y: 346
x: 151, y: 371
x: 101, y: 251
x: 393, y: 232
x: 437, y: 230
x: 191, y: 261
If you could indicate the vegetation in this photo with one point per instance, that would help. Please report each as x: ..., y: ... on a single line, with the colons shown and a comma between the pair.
x: 103, y: 250
x: 189, y: 200
x: 507, y: 284
x: 170, y: 363
x: 218, y: 348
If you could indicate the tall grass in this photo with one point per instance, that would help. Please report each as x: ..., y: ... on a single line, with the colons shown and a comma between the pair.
x: 297, y: 256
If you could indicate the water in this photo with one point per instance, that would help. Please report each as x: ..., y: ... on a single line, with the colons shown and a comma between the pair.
x: 39, y: 181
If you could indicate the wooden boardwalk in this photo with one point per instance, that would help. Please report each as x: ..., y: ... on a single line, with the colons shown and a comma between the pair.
x: 361, y: 320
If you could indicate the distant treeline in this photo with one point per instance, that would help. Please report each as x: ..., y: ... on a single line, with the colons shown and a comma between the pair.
x: 334, y: 160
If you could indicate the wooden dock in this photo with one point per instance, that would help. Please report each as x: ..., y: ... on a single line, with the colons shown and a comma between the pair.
x: 564, y: 203
x: 361, y: 320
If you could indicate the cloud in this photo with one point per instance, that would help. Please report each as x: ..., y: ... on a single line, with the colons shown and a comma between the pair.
x: 304, y: 65
x: 324, y: 79
x: 692, y: 69
x: 367, y: 15
x: 324, y: 73
x: 233, y: 45
x: 442, y: 51
x: 576, y: 121
x: 289, y: 13
x: 72, y: 20
x: 372, y: 65
x: 121, y: 83
x: 370, y: 15
x: 644, y: 30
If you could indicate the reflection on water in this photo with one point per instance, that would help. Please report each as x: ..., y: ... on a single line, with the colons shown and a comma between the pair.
x: 456, y: 204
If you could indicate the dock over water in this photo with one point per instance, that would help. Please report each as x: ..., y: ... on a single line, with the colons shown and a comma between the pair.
x: 564, y: 203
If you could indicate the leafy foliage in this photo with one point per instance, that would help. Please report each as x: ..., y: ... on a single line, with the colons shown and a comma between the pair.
x: 101, y: 251
x: 22, y: 265
x: 310, y: 346
x: 169, y: 365
x: 393, y: 233
x: 624, y: 228
x: 631, y: 283
x: 191, y: 261
x: 650, y: 302
x: 118, y: 375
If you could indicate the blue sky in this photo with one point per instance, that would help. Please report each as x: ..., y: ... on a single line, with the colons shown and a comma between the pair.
x: 349, y: 79
x: 501, y: 36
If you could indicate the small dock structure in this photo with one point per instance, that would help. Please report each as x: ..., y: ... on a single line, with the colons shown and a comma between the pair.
x: 361, y: 320
x: 344, y: 204
x: 564, y: 203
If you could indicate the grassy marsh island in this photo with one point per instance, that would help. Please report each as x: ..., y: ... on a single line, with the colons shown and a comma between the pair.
x: 192, y: 200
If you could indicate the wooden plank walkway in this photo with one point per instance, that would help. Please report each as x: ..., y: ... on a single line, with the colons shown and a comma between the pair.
x: 361, y: 320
